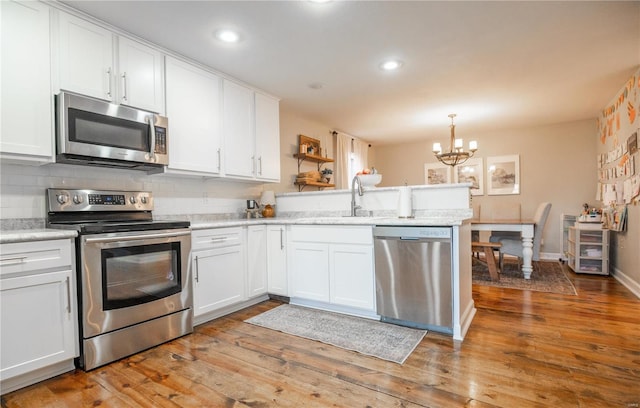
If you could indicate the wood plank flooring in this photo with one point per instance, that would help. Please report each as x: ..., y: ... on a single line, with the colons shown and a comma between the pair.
x: 524, y: 349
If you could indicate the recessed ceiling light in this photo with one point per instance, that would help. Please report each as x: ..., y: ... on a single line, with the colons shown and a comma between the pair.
x: 317, y: 85
x: 227, y: 36
x: 390, y: 65
x: 319, y: 1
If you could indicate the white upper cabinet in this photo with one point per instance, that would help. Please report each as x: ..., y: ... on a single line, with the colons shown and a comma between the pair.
x: 193, y: 107
x: 251, y: 133
x: 239, y: 144
x: 88, y: 65
x: 140, y: 76
x: 26, y: 124
x: 267, y: 113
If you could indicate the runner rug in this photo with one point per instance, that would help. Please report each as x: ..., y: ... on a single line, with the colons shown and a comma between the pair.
x: 382, y: 340
x: 547, y: 276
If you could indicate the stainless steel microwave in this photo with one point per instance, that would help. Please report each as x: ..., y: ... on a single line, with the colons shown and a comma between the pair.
x: 95, y: 132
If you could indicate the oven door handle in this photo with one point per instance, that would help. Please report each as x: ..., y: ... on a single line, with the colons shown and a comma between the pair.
x: 138, y: 237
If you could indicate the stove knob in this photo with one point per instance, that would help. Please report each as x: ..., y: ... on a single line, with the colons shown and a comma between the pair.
x: 133, y: 200
x: 77, y: 199
x: 62, y: 198
x: 143, y: 199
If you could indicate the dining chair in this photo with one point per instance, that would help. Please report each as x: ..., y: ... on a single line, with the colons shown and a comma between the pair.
x: 514, y: 247
x: 504, y: 211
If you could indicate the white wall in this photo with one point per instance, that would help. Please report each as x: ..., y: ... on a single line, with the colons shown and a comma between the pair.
x: 557, y: 164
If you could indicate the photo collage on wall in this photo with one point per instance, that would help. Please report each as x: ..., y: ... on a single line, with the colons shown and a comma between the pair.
x: 618, y: 172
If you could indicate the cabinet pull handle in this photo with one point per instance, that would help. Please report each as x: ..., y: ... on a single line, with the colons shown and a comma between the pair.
x: 260, y: 165
x: 218, y: 239
x: 219, y: 160
x: 253, y: 164
x: 13, y: 260
x: 68, y: 296
x: 124, y: 87
x: 109, y: 81
x: 281, y: 238
x: 196, y: 268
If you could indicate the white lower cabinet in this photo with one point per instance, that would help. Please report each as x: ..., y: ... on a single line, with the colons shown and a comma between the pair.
x: 332, y: 265
x: 277, y: 260
x: 351, y: 276
x: 218, y: 262
x: 256, y: 260
x: 38, y: 312
x: 310, y: 271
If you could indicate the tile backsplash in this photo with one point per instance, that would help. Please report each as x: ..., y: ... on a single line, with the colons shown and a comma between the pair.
x: 22, y: 189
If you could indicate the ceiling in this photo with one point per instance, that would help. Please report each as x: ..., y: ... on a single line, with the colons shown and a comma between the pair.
x: 496, y: 64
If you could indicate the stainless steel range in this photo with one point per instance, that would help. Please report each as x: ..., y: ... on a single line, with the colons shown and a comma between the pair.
x: 134, y: 289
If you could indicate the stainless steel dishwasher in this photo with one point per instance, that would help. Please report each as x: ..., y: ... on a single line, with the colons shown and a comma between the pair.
x: 413, y: 276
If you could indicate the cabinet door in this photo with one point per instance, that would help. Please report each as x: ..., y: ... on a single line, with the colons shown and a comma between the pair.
x: 309, y: 271
x: 37, y: 317
x: 27, y: 104
x: 238, y: 134
x: 86, y: 58
x: 256, y: 260
x: 219, y: 277
x: 267, y: 122
x: 277, y: 260
x: 140, y: 77
x: 193, y: 108
x: 351, y: 276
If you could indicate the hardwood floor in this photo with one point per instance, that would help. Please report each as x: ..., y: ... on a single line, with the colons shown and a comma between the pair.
x: 524, y: 349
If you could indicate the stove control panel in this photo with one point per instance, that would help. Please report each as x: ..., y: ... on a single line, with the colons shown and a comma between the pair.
x: 64, y: 200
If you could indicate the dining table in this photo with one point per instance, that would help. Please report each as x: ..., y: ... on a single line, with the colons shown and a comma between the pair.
x: 524, y: 226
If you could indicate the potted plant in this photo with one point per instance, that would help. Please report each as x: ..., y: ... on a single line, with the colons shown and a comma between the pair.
x: 326, y: 175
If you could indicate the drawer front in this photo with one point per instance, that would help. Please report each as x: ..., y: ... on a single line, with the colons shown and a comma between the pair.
x: 332, y: 234
x: 18, y: 257
x: 216, y: 238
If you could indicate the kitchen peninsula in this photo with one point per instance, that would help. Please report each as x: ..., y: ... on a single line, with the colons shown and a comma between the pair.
x: 320, y: 257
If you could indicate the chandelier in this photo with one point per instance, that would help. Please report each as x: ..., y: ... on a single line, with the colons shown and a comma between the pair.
x: 456, y: 154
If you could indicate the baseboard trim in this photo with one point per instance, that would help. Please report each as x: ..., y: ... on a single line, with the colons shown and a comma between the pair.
x: 626, y: 281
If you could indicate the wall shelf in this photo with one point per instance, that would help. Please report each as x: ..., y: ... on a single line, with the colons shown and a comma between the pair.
x: 311, y: 156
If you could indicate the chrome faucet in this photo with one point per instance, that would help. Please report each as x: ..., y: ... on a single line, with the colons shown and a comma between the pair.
x: 354, y: 207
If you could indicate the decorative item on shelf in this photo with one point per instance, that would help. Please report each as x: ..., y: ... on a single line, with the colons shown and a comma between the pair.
x: 456, y: 154
x: 326, y: 175
x: 268, y: 200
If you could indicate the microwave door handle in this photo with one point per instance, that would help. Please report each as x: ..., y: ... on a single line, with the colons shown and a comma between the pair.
x: 152, y: 147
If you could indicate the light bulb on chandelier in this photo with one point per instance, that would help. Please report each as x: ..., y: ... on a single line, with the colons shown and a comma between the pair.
x: 456, y: 154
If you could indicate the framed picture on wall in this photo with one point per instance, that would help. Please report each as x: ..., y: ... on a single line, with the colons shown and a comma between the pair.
x: 472, y: 172
x: 437, y: 173
x: 503, y: 175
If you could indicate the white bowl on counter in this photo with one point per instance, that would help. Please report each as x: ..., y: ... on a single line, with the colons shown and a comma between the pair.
x: 370, y: 180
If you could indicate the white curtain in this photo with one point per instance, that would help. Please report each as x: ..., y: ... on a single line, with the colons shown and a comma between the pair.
x: 351, y: 157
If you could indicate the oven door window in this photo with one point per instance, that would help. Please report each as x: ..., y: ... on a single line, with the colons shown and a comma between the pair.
x: 140, y: 274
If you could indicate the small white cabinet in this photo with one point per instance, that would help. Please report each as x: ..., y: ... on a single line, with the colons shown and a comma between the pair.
x: 26, y: 90
x: 333, y: 265
x: 89, y: 65
x: 38, y: 311
x: 277, y: 260
x: 194, y: 109
x: 256, y: 260
x: 267, y: 130
x: 239, y: 143
x: 251, y: 133
x: 218, y: 261
x: 588, y: 250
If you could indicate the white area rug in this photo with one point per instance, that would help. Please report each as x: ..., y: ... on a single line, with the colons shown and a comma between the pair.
x: 382, y: 340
